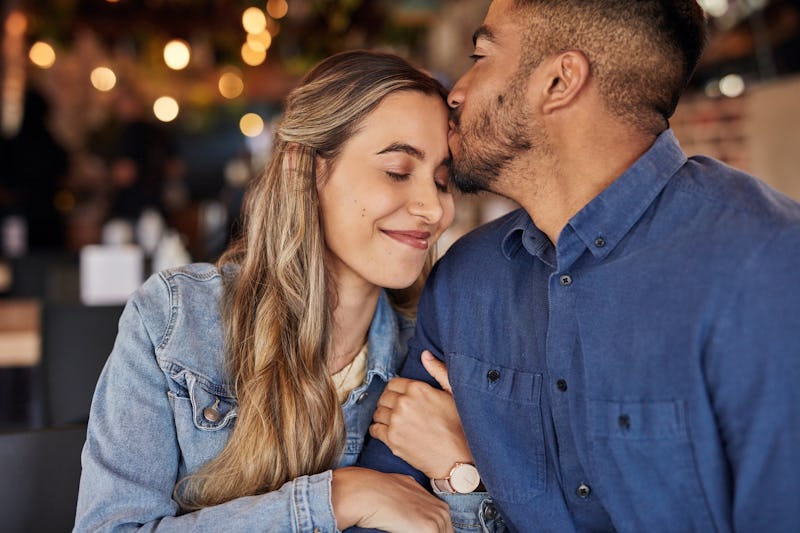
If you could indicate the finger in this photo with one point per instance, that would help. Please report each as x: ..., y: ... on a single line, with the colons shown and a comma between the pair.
x: 382, y: 415
x: 380, y: 432
x: 389, y: 398
x: 398, y: 384
x: 437, y: 370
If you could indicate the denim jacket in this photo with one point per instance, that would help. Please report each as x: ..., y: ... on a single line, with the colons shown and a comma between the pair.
x: 163, y: 408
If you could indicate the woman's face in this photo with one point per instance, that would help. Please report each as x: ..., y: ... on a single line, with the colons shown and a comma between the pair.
x: 386, y: 200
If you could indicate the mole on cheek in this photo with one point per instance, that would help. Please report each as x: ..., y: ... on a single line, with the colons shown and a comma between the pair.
x: 363, y: 212
x: 500, y: 100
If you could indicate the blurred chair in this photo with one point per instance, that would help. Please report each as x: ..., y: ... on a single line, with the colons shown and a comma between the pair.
x: 41, y: 473
x: 77, y: 340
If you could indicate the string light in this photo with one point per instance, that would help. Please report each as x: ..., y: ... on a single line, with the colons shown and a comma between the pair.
x: 259, y: 41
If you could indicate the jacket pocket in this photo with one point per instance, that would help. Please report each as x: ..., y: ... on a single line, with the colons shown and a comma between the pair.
x: 204, y: 415
x: 508, y: 401
x: 642, y: 452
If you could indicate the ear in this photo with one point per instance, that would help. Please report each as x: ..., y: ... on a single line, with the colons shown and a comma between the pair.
x: 567, y: 75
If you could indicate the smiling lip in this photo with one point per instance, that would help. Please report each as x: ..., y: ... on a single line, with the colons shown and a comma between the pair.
x: 415, y: 239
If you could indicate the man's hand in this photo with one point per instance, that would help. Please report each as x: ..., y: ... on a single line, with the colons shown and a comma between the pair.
x: 420, y: 423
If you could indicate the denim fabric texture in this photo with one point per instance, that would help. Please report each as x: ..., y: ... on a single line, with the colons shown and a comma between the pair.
x: 150, y: 425
x: 641, y: 375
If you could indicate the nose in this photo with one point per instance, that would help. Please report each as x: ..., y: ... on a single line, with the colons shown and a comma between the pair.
x: 425, y: 203
x: 456, y: 96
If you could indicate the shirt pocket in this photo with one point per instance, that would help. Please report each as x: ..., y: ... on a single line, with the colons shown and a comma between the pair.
x: 204, y: 415
x: 643, y: 454
x: 499, y: 405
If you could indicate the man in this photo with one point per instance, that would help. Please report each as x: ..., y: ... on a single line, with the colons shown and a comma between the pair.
x: 624, y: 351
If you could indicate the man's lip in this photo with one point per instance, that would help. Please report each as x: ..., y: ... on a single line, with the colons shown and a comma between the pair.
x: 414, y: 238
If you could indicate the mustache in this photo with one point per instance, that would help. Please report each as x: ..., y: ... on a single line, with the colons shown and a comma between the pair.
x: 455, y: 116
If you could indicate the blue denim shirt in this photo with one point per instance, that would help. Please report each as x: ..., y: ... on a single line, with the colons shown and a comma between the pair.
x: 643, y: 374
x: 147, y: 427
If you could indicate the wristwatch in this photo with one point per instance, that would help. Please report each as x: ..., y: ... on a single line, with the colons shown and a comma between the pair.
x: 463, y: 479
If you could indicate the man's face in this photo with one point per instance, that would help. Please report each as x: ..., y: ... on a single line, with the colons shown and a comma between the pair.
x: 490, y: 119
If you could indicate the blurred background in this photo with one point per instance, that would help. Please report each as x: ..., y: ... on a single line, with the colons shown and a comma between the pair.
x: 129, y: 130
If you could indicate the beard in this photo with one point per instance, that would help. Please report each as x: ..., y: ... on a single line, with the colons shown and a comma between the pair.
x: 493, y: 140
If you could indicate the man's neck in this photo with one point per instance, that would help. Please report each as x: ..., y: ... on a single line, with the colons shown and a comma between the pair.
x: 553, y: 187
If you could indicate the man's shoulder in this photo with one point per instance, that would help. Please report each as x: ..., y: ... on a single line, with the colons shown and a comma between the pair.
x: 486, y: 240
x: 735, y: 194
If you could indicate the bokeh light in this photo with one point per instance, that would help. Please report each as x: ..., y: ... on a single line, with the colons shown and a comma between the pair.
x: 251, y: 124
x: 254, y: 20
x: 103, y: 79
x: 252, y: 56
x: 277, y: 8
x: 177, y: 54
x: 166, y: 109
x: 231, y: 84
x: 42, y: 54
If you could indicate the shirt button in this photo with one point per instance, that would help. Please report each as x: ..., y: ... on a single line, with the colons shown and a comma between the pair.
x: 562, y: 385
x: 583, y: 490
x: 599, y: 242
x: 565, y: 280
x: 362, y: 397
x: 493, y: 375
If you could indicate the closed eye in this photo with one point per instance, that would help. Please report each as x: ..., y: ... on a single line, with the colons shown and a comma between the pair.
x: 397, y: 176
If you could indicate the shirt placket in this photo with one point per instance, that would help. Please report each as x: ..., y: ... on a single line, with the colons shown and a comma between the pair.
x: 566, y: 382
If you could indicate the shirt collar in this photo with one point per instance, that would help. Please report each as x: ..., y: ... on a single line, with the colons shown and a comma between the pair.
x: 604, y: 221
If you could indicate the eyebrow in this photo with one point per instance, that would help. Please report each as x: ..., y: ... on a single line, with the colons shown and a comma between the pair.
x: 413, y: 151
x: 482, y: 32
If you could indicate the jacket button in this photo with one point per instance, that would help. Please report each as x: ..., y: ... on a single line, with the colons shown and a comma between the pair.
x: 583, y: 490
x: 561, y: 384
x: 493, y: 375
x: 565, y: 280
x: 362, y: 397
x: 211, y: 414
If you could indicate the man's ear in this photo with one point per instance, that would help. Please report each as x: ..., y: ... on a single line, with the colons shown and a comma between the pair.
x: 566, y: 75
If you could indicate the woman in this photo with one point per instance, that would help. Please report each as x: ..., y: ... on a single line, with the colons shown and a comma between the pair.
x: 233, y: 391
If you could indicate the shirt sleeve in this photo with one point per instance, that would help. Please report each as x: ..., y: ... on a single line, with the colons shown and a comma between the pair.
x: 753, y: 373
x: 464, y: 508
x: 132, y: 456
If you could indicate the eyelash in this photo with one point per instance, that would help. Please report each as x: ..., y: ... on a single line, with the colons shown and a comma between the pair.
x: 402, y: 177
x: 476, y: 57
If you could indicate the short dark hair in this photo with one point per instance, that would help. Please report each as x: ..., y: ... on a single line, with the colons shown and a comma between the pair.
x: 642, y: 52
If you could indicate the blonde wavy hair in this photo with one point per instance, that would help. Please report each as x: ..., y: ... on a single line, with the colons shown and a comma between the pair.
x: 277, y: 305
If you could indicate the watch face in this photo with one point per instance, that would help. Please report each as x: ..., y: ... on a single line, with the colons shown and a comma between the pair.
x: 464, y: 478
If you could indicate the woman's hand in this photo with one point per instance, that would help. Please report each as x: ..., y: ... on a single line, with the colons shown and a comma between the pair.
x: 420, y: 423
x: 390, y: 502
